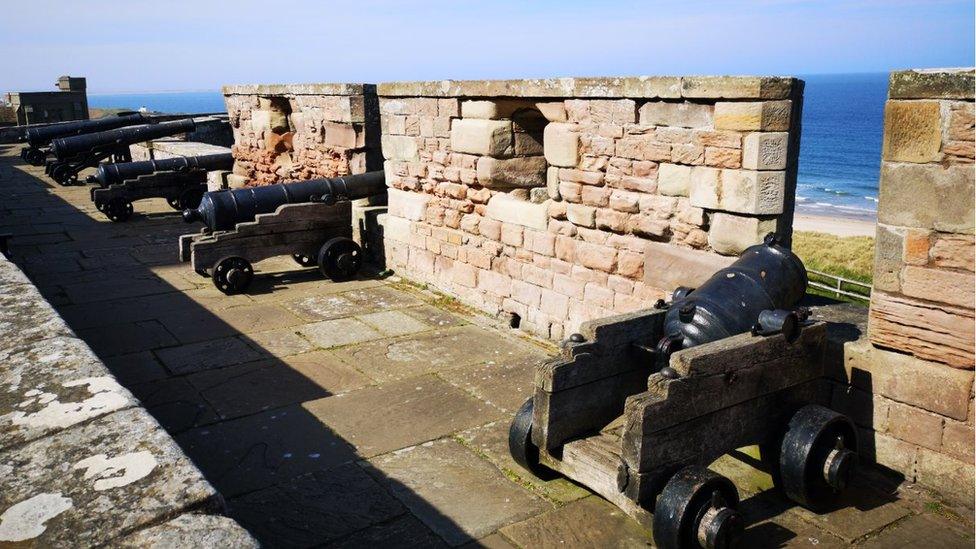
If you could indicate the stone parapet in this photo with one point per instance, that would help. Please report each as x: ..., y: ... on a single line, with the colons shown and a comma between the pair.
x: 924, y: 268
x: 288, y: 132
x: 84, y: 464
x: 539, y: 198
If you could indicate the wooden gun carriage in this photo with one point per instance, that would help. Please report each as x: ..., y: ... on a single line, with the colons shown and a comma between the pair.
x: 181, y: 189
x: 639, y: 425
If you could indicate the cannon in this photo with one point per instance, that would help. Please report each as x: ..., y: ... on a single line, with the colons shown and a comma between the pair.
x: 110, y: 174
x: 182, y: 181
x: 636, y: 406
x: 39, y: 138
x: 76, y: 153
x: 309, y: 220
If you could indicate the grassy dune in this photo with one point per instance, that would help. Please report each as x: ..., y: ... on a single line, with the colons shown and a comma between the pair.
x: 850, y: 257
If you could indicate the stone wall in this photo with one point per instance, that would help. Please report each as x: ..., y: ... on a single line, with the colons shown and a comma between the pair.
x: 302, y: 131
x: 911, y: 381
x: 83, y: 463
x: 559, y: 201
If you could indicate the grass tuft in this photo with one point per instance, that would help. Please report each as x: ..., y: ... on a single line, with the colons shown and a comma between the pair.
x: 848, y: 256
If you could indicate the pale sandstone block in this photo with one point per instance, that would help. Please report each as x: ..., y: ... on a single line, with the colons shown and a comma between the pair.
x: 396, y: 228
x: 667, y: 266
x: 736, y: 87
x: 552, y: 183
x: 907, y: 379
x: 482, y: 137
x: 506, y: 209
x: 732, y: 234
x: 584, y: 216
x: 512, y: 173
x: 673, y: 179
x: 682, y: 115
x: 765, y: 150
x: 740, y: 191
x: 951, y: 477
x: 927, y: 196
x: 772, y: 116
x: 493, y: 109
x: 552, y: 111
x: 912, y: 131
x: 399, y: 147
x: 260, y: 120
x: 235, y: 181
x: 408, y: 205
x: 953, y: 251
x: 561, y: 142
x: 344, y: 135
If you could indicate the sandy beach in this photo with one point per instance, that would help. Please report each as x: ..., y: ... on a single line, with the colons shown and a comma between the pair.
x: 839, y: 226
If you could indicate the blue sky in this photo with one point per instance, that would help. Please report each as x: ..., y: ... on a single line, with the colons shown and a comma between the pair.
x: 199, y: 44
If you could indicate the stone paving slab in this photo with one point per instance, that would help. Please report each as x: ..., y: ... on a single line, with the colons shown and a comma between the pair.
x: 388, y: 417
x: 431, y: 352
x: 491, y: 442
x: 175, y: 404
x: 261, y: 450
x: 339, y: 332
x: 506, y: 384
x: 245, y: 389
x: 403, y: 532
x: 206, y: 355
x: 136, y: 368
x: 86, y: 485
x: 456, y: 494
x: 50, y: 385
x: 191, y: 530
x: 281, y: 343
x: 589, y: 522
x: 123, y: 339
x: 316, y: 508
x: 924, y: 530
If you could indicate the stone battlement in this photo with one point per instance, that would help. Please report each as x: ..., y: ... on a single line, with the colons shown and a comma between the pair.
x: 562, y: 200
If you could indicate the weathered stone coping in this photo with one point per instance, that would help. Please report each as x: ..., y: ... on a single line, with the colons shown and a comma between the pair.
x: 299, y: 89
x: 81, y: 462
x: 954, y: 83
x: 647, y: 87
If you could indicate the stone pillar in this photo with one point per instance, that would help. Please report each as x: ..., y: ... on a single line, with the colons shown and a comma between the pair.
x: 911, y: 381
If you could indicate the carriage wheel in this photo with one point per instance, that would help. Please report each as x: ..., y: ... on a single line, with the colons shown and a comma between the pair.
x: 697, y: 509
x: 232, y: 275
x: 340, y: 259
x: 520, y: 443
x: 118, y: 209
x: 818, y: 456
x: 304, y: 260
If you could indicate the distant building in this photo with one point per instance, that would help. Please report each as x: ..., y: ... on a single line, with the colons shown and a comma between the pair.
x: 70, y: 103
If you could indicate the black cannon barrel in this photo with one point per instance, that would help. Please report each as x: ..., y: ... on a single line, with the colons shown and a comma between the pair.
x: 222, y: 210
x: 110, y: 174
x: 66, y: 147
x: 766, y: 276
x: 42, y: 135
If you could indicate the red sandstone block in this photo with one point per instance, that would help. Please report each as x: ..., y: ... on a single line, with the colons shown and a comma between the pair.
x: 511, y: 234
x: 494, y: 283
x: 537, y: 276
x: 490, y: 228
x: 953, y: 251
x: 691, y: 154
x: 603, y: 258
x: 564, y: 228
x: 554, y: 304
x: 957, y: 440
x: 620, y: 284
x: 721, y: 157
x: 950, y: 287
x: 580, y: 176
x: 630, y: 264
x: 915, y: 250
x: 465, y: 275
x: 558, y: 266
x: 479, y: 259
x: 612, y: 220
x: 565, y: 248
x: 570, y: 192
x: 543, y: 243
x: 719, y: 138
x: 526, y: 293
x: 594, y: 236
x: 595, y: 294
x: 624, y: 201
x: 595, y: 196
x: 649, y: 226
x: 567, y: 285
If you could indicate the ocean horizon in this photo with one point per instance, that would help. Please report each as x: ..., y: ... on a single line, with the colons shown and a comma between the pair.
x: 840, y: 151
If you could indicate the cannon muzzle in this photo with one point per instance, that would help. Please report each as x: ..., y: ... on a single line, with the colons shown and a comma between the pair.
x: 67, y: 147
x: 110, y: 174
x: 222, y: 210
x: 41, y: 136
x: 766, y: 277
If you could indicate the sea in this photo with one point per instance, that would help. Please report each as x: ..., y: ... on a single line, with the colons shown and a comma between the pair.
x: 840, y: 152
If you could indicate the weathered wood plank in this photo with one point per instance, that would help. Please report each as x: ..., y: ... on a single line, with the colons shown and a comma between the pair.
x: 156, y: 185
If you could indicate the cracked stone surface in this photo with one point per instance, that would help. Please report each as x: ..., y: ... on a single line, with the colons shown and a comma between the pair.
x: 431, y: 352
x: 120, y: 468
x: 191, y: 530
x: 457, y: 495
x: 589, y: 522
x: 387, y: 417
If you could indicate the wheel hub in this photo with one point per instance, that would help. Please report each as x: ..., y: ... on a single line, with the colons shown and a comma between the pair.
x: 719, y: 528
x: 838, y: 469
